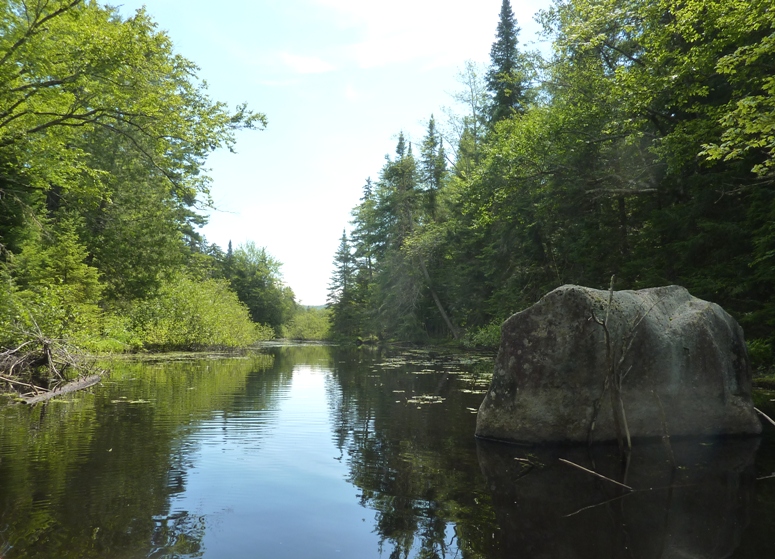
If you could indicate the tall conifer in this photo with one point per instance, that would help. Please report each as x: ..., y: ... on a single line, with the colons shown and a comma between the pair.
x: 505, y: 77
x: 433, y: 165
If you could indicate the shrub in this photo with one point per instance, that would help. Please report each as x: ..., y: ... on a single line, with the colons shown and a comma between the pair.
x: 308, y: 323
x: 189, y: 314
x: 488, y: 336
x: 760, y: 353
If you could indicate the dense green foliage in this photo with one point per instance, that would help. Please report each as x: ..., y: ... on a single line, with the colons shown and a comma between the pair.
x: 255, y: 276
x: 308, y: 323
x: 644, y: 149
x: 104, y: 131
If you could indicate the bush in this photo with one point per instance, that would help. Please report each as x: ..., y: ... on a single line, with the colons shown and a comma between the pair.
x: 488, y: 336
x: 760, y: 353
x: 189, y: 314
x: 308, y: 323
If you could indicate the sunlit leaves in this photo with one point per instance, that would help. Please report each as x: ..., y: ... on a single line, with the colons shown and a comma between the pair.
x: 255, y: 277
x: 103, y: 133
x: 191, y: 314
x: 749, y: 123
x: 72, y: 67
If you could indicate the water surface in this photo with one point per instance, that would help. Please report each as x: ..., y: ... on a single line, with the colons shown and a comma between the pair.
x: 313, y: 451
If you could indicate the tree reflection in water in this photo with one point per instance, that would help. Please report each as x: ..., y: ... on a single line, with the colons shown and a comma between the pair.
x: 93, y: 476
x: 415, y: 468
x: 110, y: 474
x: 405, y: 423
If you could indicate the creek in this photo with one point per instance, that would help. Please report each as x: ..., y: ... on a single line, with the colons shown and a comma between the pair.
x: 313, y: 451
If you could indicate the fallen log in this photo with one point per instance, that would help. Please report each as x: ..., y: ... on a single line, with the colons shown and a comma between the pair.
x: 74, y: 386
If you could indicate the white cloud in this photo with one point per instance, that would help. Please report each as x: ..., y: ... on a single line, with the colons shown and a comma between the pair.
x: 350, y: 93
x: 436, y: 32
x: 305, y: 64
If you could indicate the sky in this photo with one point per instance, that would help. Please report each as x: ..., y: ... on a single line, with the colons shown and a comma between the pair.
x: 338, y: 80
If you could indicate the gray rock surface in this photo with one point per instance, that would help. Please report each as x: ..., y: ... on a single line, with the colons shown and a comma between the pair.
x: 682, y: 361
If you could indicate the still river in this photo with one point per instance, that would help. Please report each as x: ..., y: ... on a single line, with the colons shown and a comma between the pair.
x: 318, y: 452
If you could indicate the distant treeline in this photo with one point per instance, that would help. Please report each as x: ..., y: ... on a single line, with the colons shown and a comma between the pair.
x: 644, y: 147
x: 103, y: 134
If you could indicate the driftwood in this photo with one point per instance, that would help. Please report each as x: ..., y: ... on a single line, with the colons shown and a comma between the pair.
x: 32, y: 367
x: 79, y: 384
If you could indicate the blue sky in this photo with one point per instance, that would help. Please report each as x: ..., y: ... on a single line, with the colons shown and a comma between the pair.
x: 338, y: 80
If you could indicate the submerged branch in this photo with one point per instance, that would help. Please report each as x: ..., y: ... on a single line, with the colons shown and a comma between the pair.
x: 601, y: 476
x: 765, y: 416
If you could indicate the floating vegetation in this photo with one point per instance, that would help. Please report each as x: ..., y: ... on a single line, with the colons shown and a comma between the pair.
x: 426, y: 399
x: 450, y: 363
x: 467, y: 374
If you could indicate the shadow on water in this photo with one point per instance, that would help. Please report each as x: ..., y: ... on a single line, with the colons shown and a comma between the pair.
x: 547, y: 508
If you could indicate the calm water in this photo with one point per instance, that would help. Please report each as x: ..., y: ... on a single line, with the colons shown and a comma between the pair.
x: 315, y: 452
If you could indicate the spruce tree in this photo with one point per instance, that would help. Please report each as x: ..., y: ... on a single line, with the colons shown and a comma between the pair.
x: 433, y: 166
x: 401, y: 146
x: 505, y: 77
x: 341, y: 291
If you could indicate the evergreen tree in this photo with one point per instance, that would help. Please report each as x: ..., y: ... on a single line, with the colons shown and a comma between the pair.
x: 401, y: 146
x: 433, y: 166
x: 342, y: 291
x: 342, y: 278
x: 506, y: 78
x: 58, y: 289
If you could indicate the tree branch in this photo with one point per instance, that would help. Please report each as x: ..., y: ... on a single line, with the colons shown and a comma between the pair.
x: 33, y: 28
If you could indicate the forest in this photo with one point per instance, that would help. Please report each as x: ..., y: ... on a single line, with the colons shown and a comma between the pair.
x: 642, y: 148
x: 104, y: 131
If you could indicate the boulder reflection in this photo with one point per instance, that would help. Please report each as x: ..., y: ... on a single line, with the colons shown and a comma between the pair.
x: 546, y: 508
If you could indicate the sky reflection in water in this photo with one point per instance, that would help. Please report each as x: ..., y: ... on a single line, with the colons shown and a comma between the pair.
x: 319, y: 452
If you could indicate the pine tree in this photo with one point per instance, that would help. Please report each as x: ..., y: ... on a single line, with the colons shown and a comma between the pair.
x: 401, y: 146
x: 368, y: 189
x: 433, y: 166
x: 506, y: 75
x: 341, y: 291
x: 59, y: 291
x: 342, y: 278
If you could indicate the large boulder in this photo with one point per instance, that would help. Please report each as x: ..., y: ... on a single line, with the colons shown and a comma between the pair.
x: 681, y: 364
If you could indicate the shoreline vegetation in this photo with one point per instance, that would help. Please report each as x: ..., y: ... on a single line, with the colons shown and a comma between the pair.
x: 104, y: 133
x: 642, y: 147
